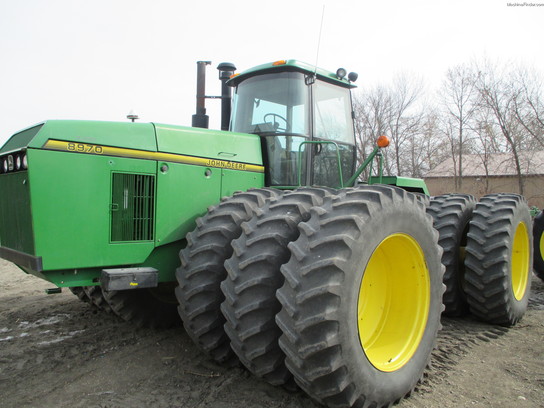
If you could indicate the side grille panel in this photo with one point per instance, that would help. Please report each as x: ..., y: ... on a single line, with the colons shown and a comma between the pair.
x: 132, y: 207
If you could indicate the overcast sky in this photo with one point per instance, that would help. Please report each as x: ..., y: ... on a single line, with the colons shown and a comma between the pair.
x: 73, y: 59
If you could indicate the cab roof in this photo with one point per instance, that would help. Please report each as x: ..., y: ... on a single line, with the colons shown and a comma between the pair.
x: 290, y: 65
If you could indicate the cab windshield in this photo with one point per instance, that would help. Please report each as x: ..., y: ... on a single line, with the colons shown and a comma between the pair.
x: 271, y: 104
x: 277, y: 106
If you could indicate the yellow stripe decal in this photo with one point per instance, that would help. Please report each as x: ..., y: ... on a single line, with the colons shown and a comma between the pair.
x: 99, y: 150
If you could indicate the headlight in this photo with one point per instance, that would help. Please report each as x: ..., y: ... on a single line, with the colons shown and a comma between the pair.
x: 14, y: 162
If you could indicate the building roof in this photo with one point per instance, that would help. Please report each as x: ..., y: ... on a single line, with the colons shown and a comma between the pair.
x: 498, y: 164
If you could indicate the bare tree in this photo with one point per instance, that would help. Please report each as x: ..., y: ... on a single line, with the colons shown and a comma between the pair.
x: 447, y: 130
x: 433, y: 144
x: 487, y: 144
x: 405, y: 119
x: 390, y: 111
x: 481, y: 108
x: 498, y: 93
x: 457, y: 97
x: 372, y: 117
x: 529, y: 105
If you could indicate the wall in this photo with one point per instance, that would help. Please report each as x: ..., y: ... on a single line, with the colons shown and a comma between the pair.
x: 534, y: 187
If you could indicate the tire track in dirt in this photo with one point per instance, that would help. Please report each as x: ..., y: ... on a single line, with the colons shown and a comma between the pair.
x: 459, y: 336
x: 56, y: 351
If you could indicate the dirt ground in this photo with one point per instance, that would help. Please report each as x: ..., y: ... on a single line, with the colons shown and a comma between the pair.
x: 56, y: 351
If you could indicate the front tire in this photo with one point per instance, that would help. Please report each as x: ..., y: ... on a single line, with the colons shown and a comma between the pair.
x: 254, y: 275
x: 362, y: 298
x: 202, y: 270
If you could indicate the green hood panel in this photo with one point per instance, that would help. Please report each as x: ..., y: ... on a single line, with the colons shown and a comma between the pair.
x: 214, y: 144
x: 227, y: 148
x: 21, y: 139
x: 120, y: 134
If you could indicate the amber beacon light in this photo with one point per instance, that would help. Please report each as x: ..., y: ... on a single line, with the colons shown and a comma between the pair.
x: 382, y: 141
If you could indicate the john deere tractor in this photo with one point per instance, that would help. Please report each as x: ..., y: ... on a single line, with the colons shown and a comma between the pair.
x: 262, y: 237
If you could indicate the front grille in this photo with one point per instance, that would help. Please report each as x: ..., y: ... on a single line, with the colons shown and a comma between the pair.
x: 15, y: 217
x: 132, y: 207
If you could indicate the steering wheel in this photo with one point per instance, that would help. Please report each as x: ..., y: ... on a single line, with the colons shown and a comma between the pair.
x: 275, y: 123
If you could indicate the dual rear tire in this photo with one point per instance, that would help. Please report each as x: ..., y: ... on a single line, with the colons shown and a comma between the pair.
x: 499, y: 259
x: 451, y: 216
x: 538, y: 245
x: 487, y: 255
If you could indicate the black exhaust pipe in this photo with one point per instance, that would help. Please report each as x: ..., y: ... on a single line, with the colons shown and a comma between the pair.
x: 200, y: 119
x: 226, y: 69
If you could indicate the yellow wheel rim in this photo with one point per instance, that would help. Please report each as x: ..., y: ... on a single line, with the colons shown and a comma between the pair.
x: 541, y: 254
x: 393, y: 304
x: 520, y: 261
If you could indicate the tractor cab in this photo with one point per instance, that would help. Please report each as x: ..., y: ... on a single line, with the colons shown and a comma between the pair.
x: 304, y: 117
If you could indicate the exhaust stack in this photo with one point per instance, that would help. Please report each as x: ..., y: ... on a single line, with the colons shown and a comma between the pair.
x: 200, y: 119
x: 226, y: 69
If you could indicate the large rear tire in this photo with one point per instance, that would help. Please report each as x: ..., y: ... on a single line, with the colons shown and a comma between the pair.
x: 362, y: 298
x: 451, y: 215
x: 499, y: 259
x: 538, y: 245
x: 149, y: 307
x: 254, y: 275
x: 202, y: 270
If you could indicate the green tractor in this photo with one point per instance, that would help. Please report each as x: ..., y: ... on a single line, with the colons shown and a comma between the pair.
x: 262, y: 237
